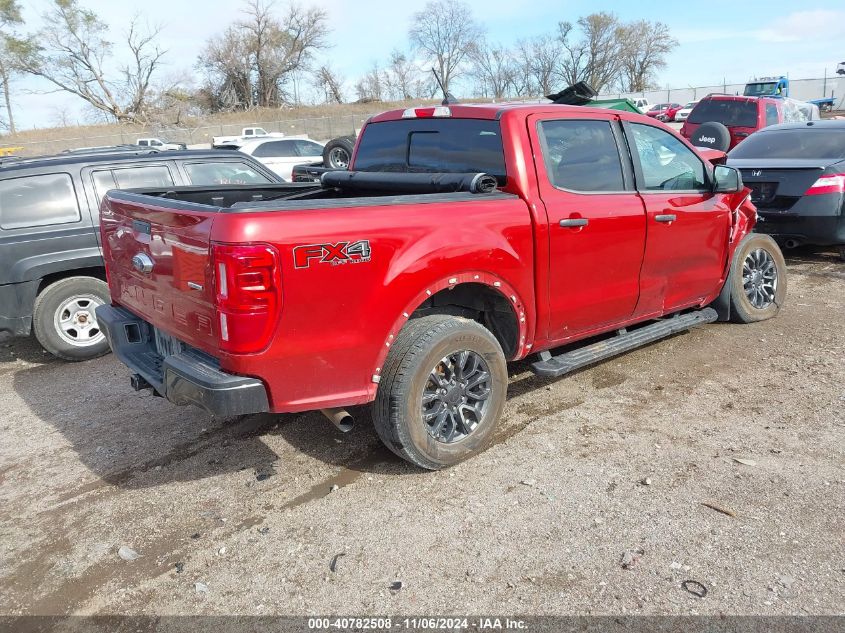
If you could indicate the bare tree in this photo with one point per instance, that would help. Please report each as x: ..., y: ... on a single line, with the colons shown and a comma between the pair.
x: 254, y: 60
x: 644, y: 49
x: 330, y: 84
x: 446, y: 33
x: 145, y: 60
x: 539, y: 61
x: 10, y: 17
x: 595, y: 56
x: 402, y: 77
x: 494, y: 69
x: 72, y: 52
x: 227, y: 63
x: 281, y: 47
x: 371, y: 86
x: 175, y: 100
x: 60, y: 117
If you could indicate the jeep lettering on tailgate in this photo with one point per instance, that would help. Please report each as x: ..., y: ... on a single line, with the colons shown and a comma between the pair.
x: 334, y: 254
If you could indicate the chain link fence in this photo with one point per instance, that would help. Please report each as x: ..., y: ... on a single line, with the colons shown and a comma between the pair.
x: 800, y: 89
x: 318, y: 128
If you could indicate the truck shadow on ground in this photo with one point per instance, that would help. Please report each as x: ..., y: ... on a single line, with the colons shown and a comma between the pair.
x: 131, y: 439
x: 135, y: 440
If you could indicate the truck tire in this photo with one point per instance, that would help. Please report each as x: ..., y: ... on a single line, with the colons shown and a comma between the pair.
x: 442, y: 391
x: 338, y: 152
x: 757, y: 279
x: 63, y: 318
x: 841, y: 250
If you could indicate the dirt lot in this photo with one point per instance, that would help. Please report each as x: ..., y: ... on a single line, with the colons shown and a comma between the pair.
x: 619, y: 458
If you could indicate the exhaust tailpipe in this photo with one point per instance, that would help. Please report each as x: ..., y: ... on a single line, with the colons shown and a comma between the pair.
x: 340, y: 418
x: 791, y: 243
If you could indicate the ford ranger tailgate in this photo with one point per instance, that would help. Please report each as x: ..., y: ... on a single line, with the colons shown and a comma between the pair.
x: 159, y: 267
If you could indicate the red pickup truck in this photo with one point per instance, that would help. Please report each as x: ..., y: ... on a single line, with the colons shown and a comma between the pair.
x: 462, y: 237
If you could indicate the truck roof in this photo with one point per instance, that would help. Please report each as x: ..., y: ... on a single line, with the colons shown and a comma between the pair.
x: 141, y: 154
x: 490, y: 111
x: 749, y: 98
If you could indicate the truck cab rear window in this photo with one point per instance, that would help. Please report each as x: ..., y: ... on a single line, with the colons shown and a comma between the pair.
x: 37, y: 201
x: 433, y: 145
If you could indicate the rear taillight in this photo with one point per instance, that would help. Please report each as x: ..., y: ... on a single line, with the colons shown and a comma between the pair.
x: 248, y: 295
x: 832, y: 183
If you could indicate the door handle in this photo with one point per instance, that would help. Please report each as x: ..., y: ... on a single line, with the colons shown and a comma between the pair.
x: 666, y: 217
x: 574, y: 222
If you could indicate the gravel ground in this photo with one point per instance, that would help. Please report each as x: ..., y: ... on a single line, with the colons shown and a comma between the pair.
x: 714, y: 456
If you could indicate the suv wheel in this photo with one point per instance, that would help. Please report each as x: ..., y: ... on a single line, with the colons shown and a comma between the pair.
x: 758, y: 279
x: 442, y: 391
x: 64, y: 320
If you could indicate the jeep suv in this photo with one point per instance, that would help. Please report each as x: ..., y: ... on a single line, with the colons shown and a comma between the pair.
x: 741, y: 115
x: 51, y: 267
x: 745, y: 115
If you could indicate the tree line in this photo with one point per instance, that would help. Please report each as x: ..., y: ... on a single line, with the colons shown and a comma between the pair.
x: 275, y: 57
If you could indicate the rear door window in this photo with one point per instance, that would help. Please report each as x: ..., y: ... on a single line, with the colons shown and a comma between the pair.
x: 276, y: 149
x: 665, y: 162
x: 143, y: 176
x: 223, y: 173
x: 309, y: 148
x: 103, y: 181
x: 771, y: 114
x: 38, y: 201
x: 581, y: 155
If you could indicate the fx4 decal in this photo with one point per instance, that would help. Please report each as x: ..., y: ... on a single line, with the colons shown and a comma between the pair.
x: 334, y: 254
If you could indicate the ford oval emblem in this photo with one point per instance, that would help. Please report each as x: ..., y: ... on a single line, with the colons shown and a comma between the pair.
x: 142, y: 263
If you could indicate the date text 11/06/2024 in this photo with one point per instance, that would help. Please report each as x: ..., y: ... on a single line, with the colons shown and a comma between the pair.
x: 414, y: 624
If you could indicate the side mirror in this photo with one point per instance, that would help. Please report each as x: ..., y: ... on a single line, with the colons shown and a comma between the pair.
x: 726, y: 180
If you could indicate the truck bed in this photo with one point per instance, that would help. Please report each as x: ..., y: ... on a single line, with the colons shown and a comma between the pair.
x: 337, y: 189
x: 322, y: 251
x: 288, y: 197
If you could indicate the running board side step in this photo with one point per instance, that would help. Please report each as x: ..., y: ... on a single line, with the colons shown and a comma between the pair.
x: 554, y: 366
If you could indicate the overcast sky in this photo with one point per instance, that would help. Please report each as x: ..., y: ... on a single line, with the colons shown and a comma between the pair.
x: 718, y: 39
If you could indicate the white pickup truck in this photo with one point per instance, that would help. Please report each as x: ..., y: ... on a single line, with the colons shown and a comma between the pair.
x: 247, y: 134
x: 157, y: 143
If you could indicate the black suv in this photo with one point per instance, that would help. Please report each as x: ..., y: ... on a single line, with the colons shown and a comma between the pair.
x: 51, y: 266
